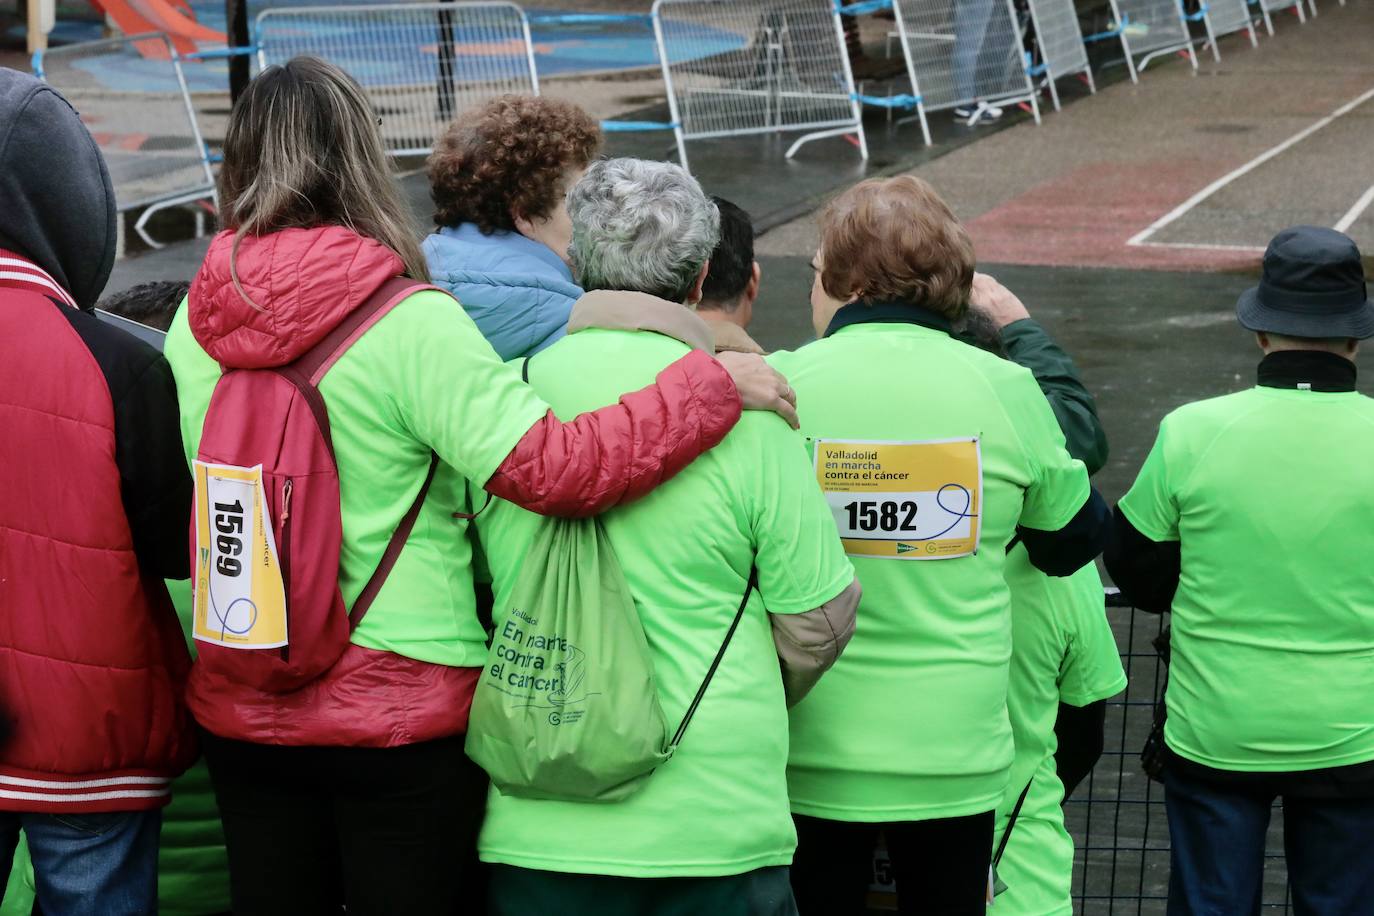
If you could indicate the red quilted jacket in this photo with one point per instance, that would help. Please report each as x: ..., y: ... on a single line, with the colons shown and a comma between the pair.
x: 92, y: 660
x: 311, y: 279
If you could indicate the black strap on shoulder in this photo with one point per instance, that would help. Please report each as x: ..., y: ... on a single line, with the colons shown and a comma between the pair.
x: 1011, y: 824
x: 525, y: 370
x: 711, y: 672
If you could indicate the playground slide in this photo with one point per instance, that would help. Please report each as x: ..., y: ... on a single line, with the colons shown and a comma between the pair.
x: 134, y: 17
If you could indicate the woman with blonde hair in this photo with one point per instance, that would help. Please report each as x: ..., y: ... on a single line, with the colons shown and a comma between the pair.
x: 934, y: 455
x: 352, y: 790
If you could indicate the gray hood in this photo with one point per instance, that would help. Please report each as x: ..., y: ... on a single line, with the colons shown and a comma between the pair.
x: 57, y: 206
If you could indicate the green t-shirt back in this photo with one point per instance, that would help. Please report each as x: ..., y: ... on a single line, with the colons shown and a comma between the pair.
x: 1270, y: 493
x: 1063, y: 651
x: 911, y: 723
x: 719, y: 806
x: 422, y: 377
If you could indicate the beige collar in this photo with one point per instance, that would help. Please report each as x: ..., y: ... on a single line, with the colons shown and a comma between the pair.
x: 628, y: 311
x: 730, y: 336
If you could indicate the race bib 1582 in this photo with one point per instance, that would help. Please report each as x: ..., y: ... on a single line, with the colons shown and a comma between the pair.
x: 903, y: 500
x: 239, y: 596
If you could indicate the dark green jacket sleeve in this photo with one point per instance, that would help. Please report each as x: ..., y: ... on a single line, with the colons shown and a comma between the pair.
x: 1026, y: 343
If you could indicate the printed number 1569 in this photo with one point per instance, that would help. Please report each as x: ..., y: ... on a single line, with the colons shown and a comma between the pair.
x: 228, y: 523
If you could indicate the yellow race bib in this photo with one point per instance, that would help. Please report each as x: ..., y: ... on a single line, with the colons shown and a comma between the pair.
x: 903, y: 500
x: 240, y: 598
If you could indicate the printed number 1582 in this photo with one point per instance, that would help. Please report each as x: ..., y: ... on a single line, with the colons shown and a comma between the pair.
x: 887, y: 515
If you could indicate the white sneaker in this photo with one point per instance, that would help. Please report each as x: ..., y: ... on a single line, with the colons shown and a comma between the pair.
x: 978, y: 115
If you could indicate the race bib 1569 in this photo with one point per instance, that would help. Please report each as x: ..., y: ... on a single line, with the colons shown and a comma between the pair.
x: 903, y: 500
x: 239, y: 596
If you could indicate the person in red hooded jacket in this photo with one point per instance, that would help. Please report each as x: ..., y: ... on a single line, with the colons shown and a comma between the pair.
x: 354, y: 790
x: 93, y: 516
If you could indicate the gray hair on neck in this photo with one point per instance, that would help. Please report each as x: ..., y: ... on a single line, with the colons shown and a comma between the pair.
x: 641, y: 226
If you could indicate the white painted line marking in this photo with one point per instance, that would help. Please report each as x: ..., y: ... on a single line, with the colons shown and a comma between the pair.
x: 1354, y: 212
x: 1200, y: 246
x: 1140, y: 237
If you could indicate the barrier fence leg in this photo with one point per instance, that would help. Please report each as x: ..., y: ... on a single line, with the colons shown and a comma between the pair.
x: 911, y: 74
x: 1211, y: 35
x: 239, y: 65
x: 854, y: 104
x: 1125, y: 42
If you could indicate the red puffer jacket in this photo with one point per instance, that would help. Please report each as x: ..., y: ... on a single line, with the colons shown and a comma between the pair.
x: 92, y: 515
x: 312, y: 279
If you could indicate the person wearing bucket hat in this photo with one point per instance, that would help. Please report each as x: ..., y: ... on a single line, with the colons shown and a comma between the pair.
x: 1252, y: 521
x: 1313, y: 286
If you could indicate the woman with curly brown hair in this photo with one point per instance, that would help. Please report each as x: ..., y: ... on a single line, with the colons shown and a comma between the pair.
x: 498, y: 179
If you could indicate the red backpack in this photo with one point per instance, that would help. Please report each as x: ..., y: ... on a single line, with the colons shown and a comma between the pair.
x: 272, y: 424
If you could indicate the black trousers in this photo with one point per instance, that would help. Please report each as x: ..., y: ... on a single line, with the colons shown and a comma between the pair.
x: 940, y: 866
x: 529, y: 892
x: 310, y: 830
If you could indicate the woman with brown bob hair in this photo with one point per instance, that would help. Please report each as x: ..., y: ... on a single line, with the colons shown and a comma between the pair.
x: 352, y: 789
x: 934, y: 456
x: 499, y: 177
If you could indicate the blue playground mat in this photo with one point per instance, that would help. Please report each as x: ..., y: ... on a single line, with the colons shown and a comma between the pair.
x: 561, y: 48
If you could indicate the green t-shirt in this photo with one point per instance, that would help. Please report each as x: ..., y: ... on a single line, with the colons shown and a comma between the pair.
x: 911, y: 723
x: 1270, y: 494
x: 422, y: 378
x: 1063, y: 651
x: 719, y: 807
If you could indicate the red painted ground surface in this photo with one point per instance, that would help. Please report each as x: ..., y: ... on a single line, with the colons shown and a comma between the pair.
x: 1084, y: 219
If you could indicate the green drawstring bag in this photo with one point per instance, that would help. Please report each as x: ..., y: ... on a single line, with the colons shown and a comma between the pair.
x: 567, y: 708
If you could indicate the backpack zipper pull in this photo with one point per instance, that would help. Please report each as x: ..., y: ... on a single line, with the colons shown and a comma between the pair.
x: 286, y: 501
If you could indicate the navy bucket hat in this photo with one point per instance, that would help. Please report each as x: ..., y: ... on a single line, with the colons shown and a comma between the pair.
x: 1312, y: 286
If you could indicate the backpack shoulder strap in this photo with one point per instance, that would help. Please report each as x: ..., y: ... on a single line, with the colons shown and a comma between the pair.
x: 715, y: 663
x: 307, y: 371
x: 319, y: 359
x: 1011, y: 824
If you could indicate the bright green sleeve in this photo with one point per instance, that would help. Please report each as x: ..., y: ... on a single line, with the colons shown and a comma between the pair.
x: 800, y: 560
x: 1059, y: 482
x: 196, y: 375
x: 449, y: 388
x: 1150, y: 505
x: 1091, y: 669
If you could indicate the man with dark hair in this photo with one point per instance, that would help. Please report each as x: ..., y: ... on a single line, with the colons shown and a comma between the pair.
x: 152, y: 304
x: 1251, y: 523
x: 94, y: 517
x: 732, y: 282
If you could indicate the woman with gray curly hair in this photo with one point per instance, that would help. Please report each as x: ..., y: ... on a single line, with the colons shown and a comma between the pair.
x: 739, y: 550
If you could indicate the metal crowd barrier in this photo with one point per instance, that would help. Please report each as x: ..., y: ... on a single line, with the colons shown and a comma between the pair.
x: 1060, y: 39
x: 1150, y: 29
x: 964, y: 53
x: 1116, y: 818
x: 146, y: 130
x: 421, y: 64
x: 1225, y: 17
x: 739, y: 67
x: 1268, y: 7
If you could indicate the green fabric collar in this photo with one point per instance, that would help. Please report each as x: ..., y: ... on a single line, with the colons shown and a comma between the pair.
x: 886, y: 313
